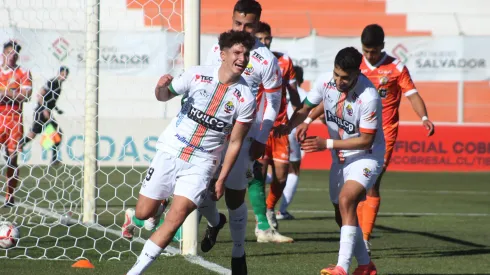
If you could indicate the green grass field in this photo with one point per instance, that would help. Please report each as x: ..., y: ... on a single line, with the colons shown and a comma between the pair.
x: 429, y: 223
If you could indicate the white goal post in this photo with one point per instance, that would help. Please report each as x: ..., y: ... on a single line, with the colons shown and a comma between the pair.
x: 115, y: 50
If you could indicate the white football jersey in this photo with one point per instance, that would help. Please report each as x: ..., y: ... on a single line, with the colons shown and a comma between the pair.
x: 200, y: 131
x: 349, y: 114
x: 262, y: 75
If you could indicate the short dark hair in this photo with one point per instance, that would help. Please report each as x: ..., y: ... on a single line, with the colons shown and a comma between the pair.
x: 248, y: 6
x: 264, y: 27
x: 64, y: 69
x: 373, y: 36
x: 14, y: 44
x: 230, y: 38
x: 298, y: 70
x: 348, y: 59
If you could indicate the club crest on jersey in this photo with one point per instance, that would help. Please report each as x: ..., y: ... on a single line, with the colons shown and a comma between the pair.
x: 343, y: 124
x: 383, y: 80
x: 367, y: 172
x: 229, y: 107
x: 206, y: 120
x: 349, y: 110
x: 249, y: 69
x: 258, y: 57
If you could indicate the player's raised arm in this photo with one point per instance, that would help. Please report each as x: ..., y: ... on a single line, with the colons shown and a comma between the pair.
x: 272, y: 82
x: 408, y: 88
x: 168, y: 87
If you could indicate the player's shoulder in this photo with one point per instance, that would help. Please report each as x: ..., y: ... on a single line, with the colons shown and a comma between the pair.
x: 242, y: 91
x: 22, y: 71
x: 261, y: 54
x: 395, y: 64
x: 366, y: 89
x: 282, y: 56
x: 325, y: 79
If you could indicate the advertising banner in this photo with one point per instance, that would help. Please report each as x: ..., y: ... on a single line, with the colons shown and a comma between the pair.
x: 452, y: 148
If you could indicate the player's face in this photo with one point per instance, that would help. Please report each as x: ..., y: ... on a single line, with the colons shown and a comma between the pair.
x: 245, y: 22
x: 344, y: 80
x: 63, y: 75
x: 236, y: 58
x: 373, y: 55
x: 265, y: 38
x: 10, y: 57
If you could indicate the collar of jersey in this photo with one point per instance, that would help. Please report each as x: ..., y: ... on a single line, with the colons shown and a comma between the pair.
x: 372, y: 67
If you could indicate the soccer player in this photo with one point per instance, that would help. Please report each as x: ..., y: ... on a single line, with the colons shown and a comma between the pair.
x: 295, y: 156
x: 47, y: 98
x: 220, y: 109
x: 263, y: 75
x: 352, y: 110
x: 392, y: 80
x: 15, y: 89
x: 277, y: 148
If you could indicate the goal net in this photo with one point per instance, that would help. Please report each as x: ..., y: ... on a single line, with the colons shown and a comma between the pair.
x: 115, y: 52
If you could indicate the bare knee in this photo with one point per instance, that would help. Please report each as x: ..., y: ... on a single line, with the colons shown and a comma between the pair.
x: 146, y: 208
x: 234, y: 198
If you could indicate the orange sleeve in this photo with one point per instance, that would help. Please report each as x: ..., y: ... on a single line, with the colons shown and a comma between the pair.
x: 405, y: 82
x: 26, y: 79
x: 367, y: 131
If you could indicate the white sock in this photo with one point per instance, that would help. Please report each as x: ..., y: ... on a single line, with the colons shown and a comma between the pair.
x: 238, y: 225
x: 268, y: 179
x: 209, y: 211
x: 289, y: 191
x: 347, y: 244
x: 150, y: 252
x: 360, y: 250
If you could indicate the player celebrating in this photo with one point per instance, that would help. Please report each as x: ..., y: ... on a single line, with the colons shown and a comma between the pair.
x: 392, y: 80
x: 47, y: 100
x: 352, y: 109
x: 219, y: 107
x: 295, y: 156
x: 263, y: 76
x: 15, y: 89
x: 277, y: 148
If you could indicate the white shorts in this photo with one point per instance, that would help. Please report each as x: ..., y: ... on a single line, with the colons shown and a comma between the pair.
x: 241, y: 173
x: 168, y: 175
x: 364, y: 169
x: 295, y: 152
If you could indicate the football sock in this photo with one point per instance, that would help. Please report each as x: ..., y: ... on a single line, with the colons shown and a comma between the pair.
x: 347, y: 244
x: 360, y: 251
x: 149, y: 253
x: 275, y: 193
x: 289, y: 191
x: 370, y: 211
x: 256, y: 194
x: 238, y: 225
x: 209, y: 211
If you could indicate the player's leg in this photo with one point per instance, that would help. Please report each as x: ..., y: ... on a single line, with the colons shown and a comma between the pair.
x: 181, y: 207
x: 292, y: 178
x: 358, y: 176
x: 152, y: 192
x: 57, y: 142
x: 15, y: 131
x: 37, y: 128
x: 216, y: 220
x: 368, y: 210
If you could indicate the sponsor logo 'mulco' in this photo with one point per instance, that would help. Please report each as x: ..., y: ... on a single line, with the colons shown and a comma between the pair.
x: 343, y: 124
x: 206, y: 120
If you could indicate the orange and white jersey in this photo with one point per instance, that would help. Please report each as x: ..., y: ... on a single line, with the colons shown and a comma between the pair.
x: 263, y: 76
x: 18, y: 78
x: 288, y: 77
x: 199, y: 133
x: 348, y: 114
x: 392, y: 79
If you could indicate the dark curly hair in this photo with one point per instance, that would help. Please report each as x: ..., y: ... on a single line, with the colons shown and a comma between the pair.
x: 230, y: 38
x: 14, y: 44
x: 348, y: 59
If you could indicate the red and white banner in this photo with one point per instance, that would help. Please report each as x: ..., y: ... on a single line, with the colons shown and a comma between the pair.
x: 452, y: 148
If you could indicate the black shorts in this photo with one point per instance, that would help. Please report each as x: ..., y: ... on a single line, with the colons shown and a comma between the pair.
x: 41, y: 121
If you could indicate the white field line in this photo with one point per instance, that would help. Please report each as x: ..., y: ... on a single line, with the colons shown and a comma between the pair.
x: 171, y: 250
x: 400, y: 214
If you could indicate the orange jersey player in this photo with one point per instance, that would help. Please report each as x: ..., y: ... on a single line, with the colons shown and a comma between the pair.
x: 15, y: 88
x: 392, y: 79
x: 277, y: 148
